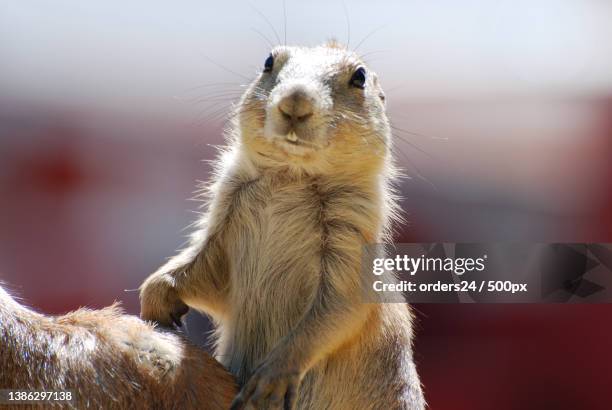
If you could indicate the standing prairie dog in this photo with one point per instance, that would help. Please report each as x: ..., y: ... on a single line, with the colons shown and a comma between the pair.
x: 276, y: 261
x: 107, y: 360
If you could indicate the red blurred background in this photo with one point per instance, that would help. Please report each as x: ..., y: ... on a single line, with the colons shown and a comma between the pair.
x: 503, y: 118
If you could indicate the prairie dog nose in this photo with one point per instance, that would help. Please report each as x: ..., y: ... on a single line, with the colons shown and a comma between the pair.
x: 297, y: 106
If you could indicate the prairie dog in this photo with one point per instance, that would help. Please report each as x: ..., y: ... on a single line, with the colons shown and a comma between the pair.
x: 108, y: 360
x: 302, y: 186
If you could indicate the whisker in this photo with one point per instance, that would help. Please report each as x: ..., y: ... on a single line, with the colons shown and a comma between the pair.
x: 267, y: 21
x: 262, y: 35
x: 369, y: 53
x: 420, y: 176
x: 413, y: 145
x: 395, y: 88
x: 368, y: 36
x: 201, y: 98
x: 348, y: 25
x: 210, y: 60
x: 416, y: 134
x: 207, y: 116
x: 209, y: 85
x: 215, y: 99
x: 285, y: 19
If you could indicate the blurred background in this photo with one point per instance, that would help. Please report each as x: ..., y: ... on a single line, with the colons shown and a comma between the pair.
x: 503, y: 119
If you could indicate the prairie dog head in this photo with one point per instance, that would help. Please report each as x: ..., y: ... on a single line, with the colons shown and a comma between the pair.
x: 317, y: 109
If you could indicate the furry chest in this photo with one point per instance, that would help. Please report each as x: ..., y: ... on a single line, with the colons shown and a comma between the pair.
x: 275, y: 252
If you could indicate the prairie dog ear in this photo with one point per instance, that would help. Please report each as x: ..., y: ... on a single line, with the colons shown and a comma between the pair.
x: 333, y: 43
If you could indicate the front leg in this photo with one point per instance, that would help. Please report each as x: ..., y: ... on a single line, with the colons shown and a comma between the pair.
x: 336, y: 315
x: 196, y: 277
x: 160, y: 301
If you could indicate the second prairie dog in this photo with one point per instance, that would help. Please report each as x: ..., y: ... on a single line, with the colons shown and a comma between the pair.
x: 107, y: 360
x: 302, y: 186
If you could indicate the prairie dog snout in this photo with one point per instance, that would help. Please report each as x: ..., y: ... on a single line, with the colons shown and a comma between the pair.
x: 298, y: 112
x: 296, y: 107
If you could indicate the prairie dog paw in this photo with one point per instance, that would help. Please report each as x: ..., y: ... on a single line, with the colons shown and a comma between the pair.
x: 160, y: 302
x: 269, y: 388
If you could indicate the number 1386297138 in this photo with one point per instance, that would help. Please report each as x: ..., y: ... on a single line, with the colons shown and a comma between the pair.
x: 14, y: 396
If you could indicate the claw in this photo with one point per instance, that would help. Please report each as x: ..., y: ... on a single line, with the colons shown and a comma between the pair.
x: 237, y: 404
x: 268, y: 390
x: 290, y: 397
x: 177, y: 320
x: 177, y: 315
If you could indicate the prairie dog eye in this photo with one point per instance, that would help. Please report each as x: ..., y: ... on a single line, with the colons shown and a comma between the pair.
x: 269, y: 63
x: 359, y: 78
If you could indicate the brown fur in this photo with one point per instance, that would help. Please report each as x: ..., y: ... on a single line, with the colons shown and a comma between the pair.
x: 276, y: 259
x: 109, y: 361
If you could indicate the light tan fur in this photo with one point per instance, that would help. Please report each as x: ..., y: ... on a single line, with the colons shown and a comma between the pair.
x: 108, y: 360
x: 276, y: 259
